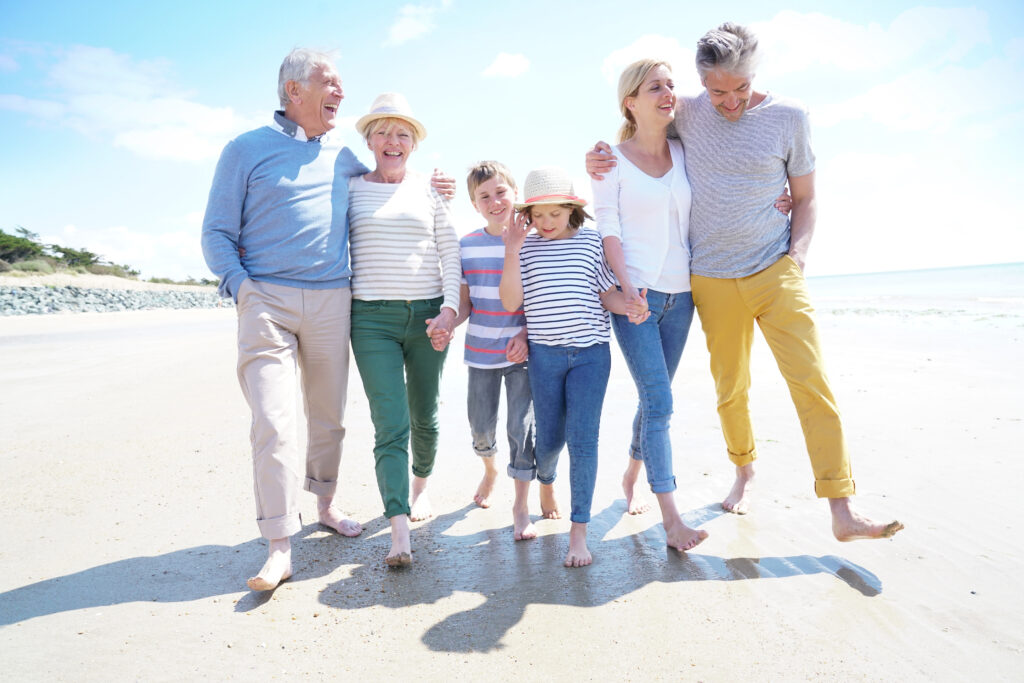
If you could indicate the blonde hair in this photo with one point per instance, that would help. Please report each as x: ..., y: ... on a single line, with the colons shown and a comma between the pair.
x: 387, y: 122
x: 629, y: 85
x: 484, y: 171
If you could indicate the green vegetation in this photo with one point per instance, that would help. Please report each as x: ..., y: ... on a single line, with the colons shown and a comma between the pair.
x: 23, y: 251
x: 34, y: 266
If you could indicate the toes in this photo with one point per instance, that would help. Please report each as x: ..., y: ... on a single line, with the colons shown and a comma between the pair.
x: 891, y: 528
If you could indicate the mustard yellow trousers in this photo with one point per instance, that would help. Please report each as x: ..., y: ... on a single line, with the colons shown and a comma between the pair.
x: 777, y: 299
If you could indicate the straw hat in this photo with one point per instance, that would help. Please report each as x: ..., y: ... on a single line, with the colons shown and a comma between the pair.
x: 549, y: 185
x: 390, y: 105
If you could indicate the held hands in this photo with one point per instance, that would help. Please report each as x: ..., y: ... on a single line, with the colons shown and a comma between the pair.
x: 636, y: 305
x: 443, y: 184
x: 517, y: 350
x: 600, y: 160
x: 440, y: 329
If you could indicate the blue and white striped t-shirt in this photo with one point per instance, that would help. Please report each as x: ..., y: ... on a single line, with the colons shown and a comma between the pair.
x: 490, y: 326
x: 562, y: 281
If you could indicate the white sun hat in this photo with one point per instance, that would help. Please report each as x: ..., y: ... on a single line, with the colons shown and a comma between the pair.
x: 390, y: 105
x: 549, y: 185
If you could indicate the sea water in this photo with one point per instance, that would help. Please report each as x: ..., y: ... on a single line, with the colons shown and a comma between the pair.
x: 993, y: 292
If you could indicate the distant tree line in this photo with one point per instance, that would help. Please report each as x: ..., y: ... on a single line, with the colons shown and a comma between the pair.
x: 25, y: 252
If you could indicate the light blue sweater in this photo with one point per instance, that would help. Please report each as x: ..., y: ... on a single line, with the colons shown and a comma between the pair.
x: 284, y: 200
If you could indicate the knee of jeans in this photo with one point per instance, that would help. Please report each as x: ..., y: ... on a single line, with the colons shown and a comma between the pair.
x: 583, y: 447
x: 657, y: 403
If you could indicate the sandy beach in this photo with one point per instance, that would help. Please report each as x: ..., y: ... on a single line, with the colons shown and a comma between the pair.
x: 128, y: 527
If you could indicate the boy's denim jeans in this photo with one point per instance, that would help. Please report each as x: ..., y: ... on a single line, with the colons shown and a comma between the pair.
x: 568, y: 384
x: 652, y: 351
x: 482, y: 398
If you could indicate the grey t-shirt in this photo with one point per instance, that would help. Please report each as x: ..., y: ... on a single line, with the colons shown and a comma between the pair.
x: 736, y: 171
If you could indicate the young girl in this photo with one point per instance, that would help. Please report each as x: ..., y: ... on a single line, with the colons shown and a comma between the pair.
x: 559, y: 277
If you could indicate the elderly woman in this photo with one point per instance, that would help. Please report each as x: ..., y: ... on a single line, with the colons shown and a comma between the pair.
x: 406, y: 275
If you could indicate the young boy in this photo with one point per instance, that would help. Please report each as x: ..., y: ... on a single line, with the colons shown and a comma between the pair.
x: 496, y: 349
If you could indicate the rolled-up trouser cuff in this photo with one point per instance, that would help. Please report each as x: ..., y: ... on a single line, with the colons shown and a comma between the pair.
x: 522, y: 475
x: 663, y: 486
x: 835, y: 488
x: 743, y: 459
x: 635, y: 453
x: 280, y: 527
x: 320, y: 488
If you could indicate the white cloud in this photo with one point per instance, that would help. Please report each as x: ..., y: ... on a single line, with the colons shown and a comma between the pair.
x: 507, y: 65
x: 933, y: 99
x: 792, y: 42
x: 7, y: 63
x: 135, y: 104
x: 653, y: 46
x: 413, y: 21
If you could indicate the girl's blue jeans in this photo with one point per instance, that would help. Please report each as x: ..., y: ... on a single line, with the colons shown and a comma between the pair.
x: 568, y: 385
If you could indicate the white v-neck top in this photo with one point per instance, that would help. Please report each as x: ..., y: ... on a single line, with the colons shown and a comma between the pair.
x: 651, y: 217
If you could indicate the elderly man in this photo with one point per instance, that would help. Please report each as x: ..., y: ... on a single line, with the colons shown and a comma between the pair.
x: 742, y: 146
x: 276, y: 234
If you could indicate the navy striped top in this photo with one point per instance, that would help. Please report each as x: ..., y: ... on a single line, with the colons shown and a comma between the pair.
x: 562, y: 281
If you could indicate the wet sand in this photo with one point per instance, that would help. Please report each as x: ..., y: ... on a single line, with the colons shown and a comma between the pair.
x: 128, y: 530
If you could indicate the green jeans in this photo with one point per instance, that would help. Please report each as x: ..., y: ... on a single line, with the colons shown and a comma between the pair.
x: 401, y: 375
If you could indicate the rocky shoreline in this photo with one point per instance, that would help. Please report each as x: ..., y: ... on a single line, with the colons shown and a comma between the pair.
x: 98, y: 294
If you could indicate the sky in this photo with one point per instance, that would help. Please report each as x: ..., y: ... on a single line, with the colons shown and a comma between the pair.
x: 113, y: 114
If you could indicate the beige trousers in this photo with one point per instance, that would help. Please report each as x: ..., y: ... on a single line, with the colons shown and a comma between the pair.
x: 289, y: 337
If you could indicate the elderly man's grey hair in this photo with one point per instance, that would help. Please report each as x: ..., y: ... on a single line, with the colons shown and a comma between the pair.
x: 730, y: 47
x: 298, y: 66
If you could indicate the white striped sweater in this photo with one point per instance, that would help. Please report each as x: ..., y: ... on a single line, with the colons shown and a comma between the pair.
x: 402, y: 243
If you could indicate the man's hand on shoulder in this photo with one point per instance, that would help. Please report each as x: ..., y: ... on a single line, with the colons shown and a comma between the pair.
x: 600, y: 160
x: 444, y: 184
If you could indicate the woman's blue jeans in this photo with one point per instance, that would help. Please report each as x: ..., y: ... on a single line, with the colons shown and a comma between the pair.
x: 568, y: 385
x: 652, y: 351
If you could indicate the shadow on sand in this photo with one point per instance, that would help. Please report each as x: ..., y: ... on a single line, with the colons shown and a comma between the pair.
x: 510, y: 576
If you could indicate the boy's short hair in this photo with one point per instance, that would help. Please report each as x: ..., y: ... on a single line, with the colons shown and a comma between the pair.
x: 576, y: 218
x: 484, y: 171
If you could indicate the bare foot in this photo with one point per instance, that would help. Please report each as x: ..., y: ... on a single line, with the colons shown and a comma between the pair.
x: 400, y: 554
x: 522, y: 526
x: 483, y: 491
x: 578, y: 555
x: 738, y: 500
x: 420, y: 509
x: 548, y: 504
x: 331, y: 517
x: 848, y: 525
x: 634, y: 505
x: 276, y: 569
x: 677, y: 534
x: 682, y: 537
